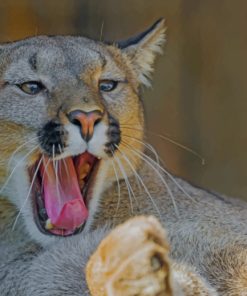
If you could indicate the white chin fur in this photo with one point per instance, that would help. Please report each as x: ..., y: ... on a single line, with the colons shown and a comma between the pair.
x: 97, y: 144
x: 75, y: 144
x: 18, y: 193
x: 20, y: 186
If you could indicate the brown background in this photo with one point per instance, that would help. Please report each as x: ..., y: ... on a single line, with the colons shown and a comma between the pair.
x: 199, y: 95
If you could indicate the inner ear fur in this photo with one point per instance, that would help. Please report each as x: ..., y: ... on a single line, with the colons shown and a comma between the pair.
x: 142, y: 49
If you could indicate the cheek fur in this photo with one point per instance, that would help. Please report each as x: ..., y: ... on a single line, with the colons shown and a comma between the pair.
x: 15, y: 139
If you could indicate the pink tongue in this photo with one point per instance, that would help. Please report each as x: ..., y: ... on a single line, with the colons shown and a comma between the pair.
x: 62, y: 196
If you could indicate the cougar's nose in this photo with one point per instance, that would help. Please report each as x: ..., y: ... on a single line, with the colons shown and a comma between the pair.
x: 86, y: 121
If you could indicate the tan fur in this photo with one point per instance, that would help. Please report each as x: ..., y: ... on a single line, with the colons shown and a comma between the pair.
x: 12, y: 136
x: 133, y: 260
x: 206, y: 238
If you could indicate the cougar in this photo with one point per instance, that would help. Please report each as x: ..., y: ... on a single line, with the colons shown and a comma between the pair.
x: 75, y: 165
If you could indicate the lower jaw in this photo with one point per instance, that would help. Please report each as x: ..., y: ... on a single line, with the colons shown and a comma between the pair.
x: 53, y: 232
x: 64, y: 232
x: 40, y: 223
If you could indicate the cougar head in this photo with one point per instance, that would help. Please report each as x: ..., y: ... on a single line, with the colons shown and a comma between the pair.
x: 69, y: 112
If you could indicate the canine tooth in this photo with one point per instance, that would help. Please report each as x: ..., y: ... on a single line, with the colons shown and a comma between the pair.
x: 81, y: 183
x: 83, y: 175
x: 49, y: 225
x: 84, y: 170
x: 87, y: 167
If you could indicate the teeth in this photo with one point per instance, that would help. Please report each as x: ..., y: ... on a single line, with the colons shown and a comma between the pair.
x: 83, y: 175
x: 48, y: 224
x: 84, y: 170
x: 87, y: 167
x: 81, y: 183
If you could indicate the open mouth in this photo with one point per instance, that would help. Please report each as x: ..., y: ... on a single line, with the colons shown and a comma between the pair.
x: 62, y: 193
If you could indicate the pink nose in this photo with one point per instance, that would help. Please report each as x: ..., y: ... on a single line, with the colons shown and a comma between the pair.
x: 86, y: 121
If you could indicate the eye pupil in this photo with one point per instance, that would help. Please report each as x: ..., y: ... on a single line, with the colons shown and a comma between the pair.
x: 31, y: 87
x: 107, y: 85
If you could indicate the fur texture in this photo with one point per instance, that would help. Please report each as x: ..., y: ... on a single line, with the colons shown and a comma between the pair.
x: 205, y: 230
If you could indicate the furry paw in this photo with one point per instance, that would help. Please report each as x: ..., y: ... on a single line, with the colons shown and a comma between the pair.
x: 131, y: 260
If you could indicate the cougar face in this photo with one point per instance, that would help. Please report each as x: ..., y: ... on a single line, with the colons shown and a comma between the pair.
x: 69, y: 111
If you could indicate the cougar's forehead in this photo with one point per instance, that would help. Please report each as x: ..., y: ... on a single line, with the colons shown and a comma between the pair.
x: 65, y: 65
x: 56, y: 59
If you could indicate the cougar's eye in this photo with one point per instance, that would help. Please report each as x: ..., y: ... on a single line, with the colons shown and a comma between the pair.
x: 107, y: 85
x: 31, y: 87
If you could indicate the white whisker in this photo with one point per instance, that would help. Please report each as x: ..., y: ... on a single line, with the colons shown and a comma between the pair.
x: 168, y: 139
x: 169, y: 175
x: 176, y: 183
x: 118, y: 186
x: 140, y: 179
x: 151, y: 148
x: 29, y: 192
x: 55, y: 166
x: 147, y: 145
x: 126, y: 181
x: 161, y: 178
x: 19, y: 148
x: 101, y: 30
x: 18, y: 163
x: 64, y: 162
x: 45, y: 171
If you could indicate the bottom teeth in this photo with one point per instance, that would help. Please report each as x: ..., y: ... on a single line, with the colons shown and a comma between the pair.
x: 81, y: 183
x: 48, y: 224
x: 84, y: 170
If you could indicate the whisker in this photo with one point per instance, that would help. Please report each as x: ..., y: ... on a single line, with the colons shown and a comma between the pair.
x: 170, y: 176
x: 55, y: 166
x: 126, y: 181
x: 18, y: 163
x: 151, y: 148
x: 158, y: 159
x: 176, y: 183
x: 118, y: 186
x: 140, y: 179
x: 147, y: 145
x: 137, y: 181
x: 64, y: 162
x: 101, y: 30
x: 45, y: 171
x: 29, y: 192
x: 134, y: 128
x: 168, y: 139
x: 19, y: 148
x: 160, y: 176
x: 132, y: 191
x: 162, y: 169
x: 203, y: 161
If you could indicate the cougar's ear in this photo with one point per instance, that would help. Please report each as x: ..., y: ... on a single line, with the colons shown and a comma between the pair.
x: 142, y: 49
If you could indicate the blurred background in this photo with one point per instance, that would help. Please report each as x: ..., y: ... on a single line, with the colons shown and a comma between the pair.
x: 199, y: 94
